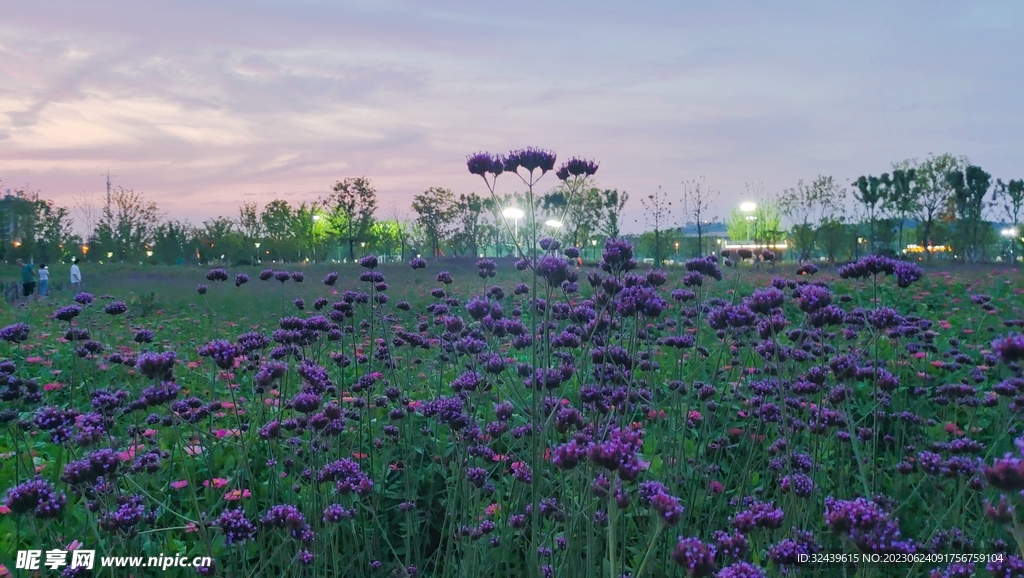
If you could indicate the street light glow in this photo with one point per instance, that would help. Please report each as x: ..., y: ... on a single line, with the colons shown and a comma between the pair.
x: 553, y: 223
x: 748, y: 207
x: 1009, y: 232
x: 513, y: 213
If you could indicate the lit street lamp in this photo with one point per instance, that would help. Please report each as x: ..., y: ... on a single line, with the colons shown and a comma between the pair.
x: 553, y: 223
x: 514, y: 213
x: 1011, y: 234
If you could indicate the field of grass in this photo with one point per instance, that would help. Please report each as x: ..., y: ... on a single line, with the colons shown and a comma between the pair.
x: 703, y: 421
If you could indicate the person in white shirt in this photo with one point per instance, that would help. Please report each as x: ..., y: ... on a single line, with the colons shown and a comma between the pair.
x: 44, y: 281
x: 76, y: 275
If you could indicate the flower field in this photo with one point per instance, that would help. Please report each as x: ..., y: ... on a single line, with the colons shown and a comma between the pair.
x: 523, y: 419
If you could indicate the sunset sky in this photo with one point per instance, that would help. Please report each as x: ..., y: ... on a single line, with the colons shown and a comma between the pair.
x: 203, y: 104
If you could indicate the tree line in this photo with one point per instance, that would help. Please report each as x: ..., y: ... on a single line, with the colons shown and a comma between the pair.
x: 942, y: 201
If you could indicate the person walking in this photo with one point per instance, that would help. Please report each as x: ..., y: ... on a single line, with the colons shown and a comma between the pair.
x: 28, y: 279
x: 44, y: 281
x: 76, y: 274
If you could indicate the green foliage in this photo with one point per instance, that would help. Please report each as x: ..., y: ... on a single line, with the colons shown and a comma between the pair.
x: 808, y: 206
x: 436, y: 210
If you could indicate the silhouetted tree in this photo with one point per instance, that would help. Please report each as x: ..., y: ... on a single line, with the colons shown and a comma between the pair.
x: 351, y: 206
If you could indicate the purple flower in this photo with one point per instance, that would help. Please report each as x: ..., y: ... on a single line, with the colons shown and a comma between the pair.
x: 222, y: 352
x: 335, y: 513
x: 368, y: 262
x: 807, y: 268
x: 485, y: 163
x: 266, y: 274
x: 115, y: 308
x: 696, y: 557
x: 282, y: 276
x: 576, y: 167
x: 236, y: 527
x: 553, y: 269
x: 67, y: 313
x: 156, y: 365
x: 289, y: 517
x: 298, y: 276
x: 617, y: 255
x: 306, y: 402
x: 15, y: 333
x: 201, y: 289
x: 812, y: 298
x: 741, y: 570
x: 907, y: 273
x: 84, y: 298
x: 1010, y: 349
x: 765, y: 300
x: 330, y: 279
x: 759, y: 514
x: 35, y: 496
x: 445, y: 277
x: 530, y: 159
x: 707, y: 266
x: 241, y: 279
x: 217, y: 274
x: 418, y: 263
x: 347, y: 476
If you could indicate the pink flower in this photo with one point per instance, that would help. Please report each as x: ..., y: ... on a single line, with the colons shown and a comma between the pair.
x: 194, y: 450
x: 53, y: 386
x: 34, y: 359
x: 129, y: 454
x: 179, y: 484
x: 234, y: 495
x: 216, y: 482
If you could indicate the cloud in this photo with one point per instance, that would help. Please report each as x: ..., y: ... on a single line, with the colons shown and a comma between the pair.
x: 202, y: 104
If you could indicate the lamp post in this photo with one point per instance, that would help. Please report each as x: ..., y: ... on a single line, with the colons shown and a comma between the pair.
x: 514, y: 213
x: 257, y: 244
x: 749, y: 208
x: 1011, y: 235
x: 593, y: 249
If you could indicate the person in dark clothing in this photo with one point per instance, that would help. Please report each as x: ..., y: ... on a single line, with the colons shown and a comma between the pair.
x: 28, y: 279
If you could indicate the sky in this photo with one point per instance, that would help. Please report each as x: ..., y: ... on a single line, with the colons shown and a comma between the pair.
x: 201, y: 105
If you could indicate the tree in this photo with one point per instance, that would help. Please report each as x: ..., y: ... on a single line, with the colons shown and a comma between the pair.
x: 901, y: 197
x: 468, y: 209
x: 351, y: 205
x: 435, y: 210
x: 172, y: 240
x: 126, y: 226
x: 808, y: 206
x: 310, y: 229
x: 869, y: 191
x: 658, y: 217
x: 277, y: 217
x: 249, y: 223
x: 739, y: 227
x: 580, y: 214
x: 55, y: 237
x: 969, y: 189
x: 933, y: 191
x: 834, y: 237
x: 1012, y: 194
x: 404, y: 231
x: 385, y: 234
x: 613, y: 202
x: 697, y: 199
